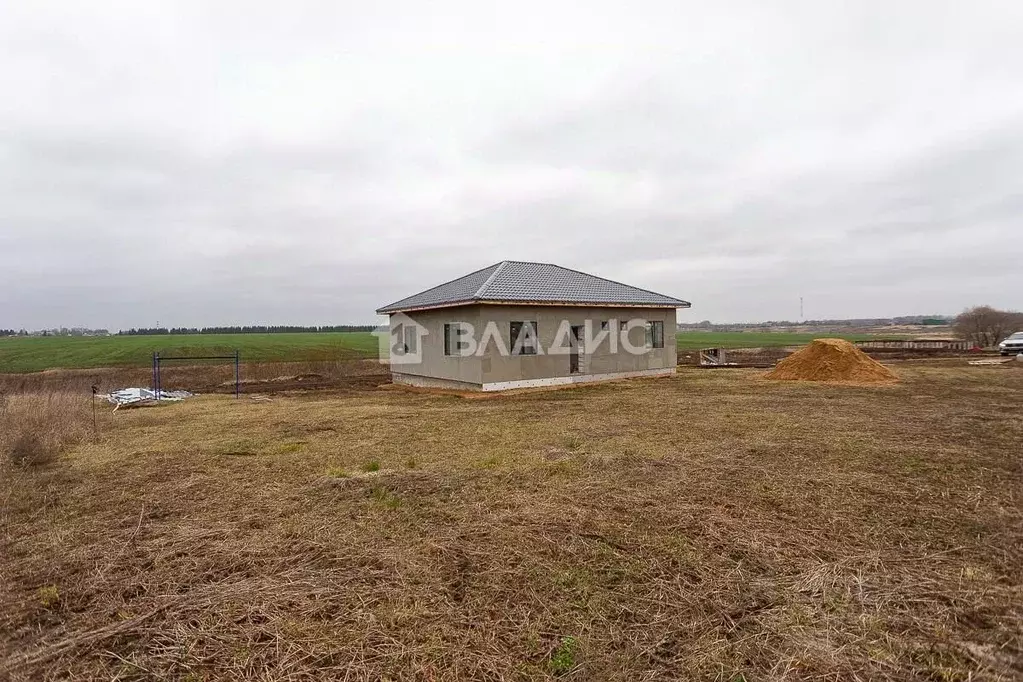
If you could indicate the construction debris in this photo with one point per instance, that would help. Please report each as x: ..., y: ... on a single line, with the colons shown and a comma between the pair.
x: 832, y: 360
x: 142, y: 397
x: 712, y: 357
x: 990, y: 361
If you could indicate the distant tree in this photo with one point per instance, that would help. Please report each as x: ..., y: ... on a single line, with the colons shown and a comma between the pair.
x: 279, y: 329
x: 986, y: 326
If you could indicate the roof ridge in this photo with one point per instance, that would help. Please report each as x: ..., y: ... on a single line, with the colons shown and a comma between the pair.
x: 533, y: 262
x: 450, y: 281
x: 495, y: 273
x: 613, y: 281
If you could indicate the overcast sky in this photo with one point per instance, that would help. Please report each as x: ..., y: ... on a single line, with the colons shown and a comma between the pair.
x: 307, y: 162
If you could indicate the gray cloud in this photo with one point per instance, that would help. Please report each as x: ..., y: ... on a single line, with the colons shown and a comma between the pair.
x: 252, y: 162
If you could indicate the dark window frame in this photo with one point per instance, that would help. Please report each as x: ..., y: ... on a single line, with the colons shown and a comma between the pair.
x: 513, y: 336
x: 398, y: 336
x: 655, y: 333
x: 405, y: 336
x: 456, y: 339
x: 411, y: 339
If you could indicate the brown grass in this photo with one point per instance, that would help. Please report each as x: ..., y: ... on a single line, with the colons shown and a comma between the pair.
x: 701, y: 527
x: 36, y: 427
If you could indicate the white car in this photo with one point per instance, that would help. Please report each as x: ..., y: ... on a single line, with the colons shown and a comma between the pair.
x: 1012, y: 345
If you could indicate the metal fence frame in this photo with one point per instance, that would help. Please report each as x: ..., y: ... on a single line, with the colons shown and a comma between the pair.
x: 157, y: 360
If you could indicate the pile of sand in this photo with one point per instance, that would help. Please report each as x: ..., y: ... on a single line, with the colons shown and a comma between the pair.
x: 832, y: 360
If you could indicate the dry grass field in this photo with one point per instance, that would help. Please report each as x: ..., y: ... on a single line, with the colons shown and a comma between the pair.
x: 714, y: 525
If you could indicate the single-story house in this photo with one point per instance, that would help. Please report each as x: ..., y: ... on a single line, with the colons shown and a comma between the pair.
x: 518, y: 324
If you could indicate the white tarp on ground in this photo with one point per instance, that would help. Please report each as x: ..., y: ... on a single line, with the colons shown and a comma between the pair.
x: 131, y: 396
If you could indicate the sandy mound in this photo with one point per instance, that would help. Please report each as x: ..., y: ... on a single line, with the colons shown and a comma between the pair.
x: 832, y: 360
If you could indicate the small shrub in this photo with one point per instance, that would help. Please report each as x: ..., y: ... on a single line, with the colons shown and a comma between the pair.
x: 411, y: 463
x: 385, y: 497
x: 29, y: 449
x: 563, y: 657
x: 49, y: 596
x: 371, y: 466
x: 337, y: 472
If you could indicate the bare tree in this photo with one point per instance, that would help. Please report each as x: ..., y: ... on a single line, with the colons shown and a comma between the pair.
x: 985, y: 326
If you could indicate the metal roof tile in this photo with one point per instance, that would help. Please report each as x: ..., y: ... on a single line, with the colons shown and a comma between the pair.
x: 515, y: 281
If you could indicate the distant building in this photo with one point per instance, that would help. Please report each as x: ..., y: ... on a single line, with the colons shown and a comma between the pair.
x: 519, y: 324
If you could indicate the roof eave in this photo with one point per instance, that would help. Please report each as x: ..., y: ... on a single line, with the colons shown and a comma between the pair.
x: 389, y: 310
x: 586, y: 304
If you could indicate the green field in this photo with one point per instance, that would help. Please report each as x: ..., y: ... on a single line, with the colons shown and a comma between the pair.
x: 38, y: 353
x: 695, y: 340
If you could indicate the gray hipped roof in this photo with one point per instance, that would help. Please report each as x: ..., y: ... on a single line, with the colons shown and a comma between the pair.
x: 520, y: 282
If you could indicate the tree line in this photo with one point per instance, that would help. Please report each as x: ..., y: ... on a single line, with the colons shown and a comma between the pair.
x: 986, y: 326
x: 251, y: 329
x: 925, y: 320
x: 8, y: 332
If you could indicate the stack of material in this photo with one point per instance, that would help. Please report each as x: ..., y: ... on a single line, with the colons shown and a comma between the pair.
x: 142, y: 397
x: 832, y: 360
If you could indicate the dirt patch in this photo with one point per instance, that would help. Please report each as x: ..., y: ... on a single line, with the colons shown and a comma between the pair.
x: 256, y: 377
x: 834, y: 360
x: 741, y: 357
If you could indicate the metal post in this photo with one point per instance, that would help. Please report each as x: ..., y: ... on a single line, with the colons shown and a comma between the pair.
x: 236, y: 376
x: 154, y: 372
x: 156, y: 388
x: 94, y: 413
